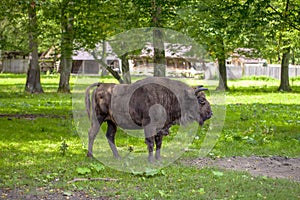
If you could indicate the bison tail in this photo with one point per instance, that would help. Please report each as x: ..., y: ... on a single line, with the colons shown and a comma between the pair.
x: 87, y: 98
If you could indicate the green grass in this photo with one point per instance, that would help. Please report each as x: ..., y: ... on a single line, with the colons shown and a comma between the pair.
x: 262, y: 124
x: 259, y: 121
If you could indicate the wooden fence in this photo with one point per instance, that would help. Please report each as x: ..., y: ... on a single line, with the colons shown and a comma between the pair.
x: 234, y: 72
x: 15, y: 65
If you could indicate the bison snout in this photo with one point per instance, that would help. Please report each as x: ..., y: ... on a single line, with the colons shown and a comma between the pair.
x: 205, y: 117
x: 208, y: 116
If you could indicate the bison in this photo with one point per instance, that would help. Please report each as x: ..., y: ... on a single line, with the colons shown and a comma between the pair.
x: 153, y: 104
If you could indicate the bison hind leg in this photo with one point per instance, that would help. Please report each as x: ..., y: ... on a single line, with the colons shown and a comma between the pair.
x: 93, y: 131
x: 110, y: 135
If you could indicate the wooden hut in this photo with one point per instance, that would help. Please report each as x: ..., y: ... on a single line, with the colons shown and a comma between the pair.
x: 14, y: 62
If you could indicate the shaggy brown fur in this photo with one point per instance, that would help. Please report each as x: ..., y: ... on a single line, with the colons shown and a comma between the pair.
x: 152, y: 107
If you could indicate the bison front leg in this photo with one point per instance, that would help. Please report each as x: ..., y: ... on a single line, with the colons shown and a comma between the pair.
x: 158, y: 143
x: 150, y: 144
x: 110, y: 135
x: 150, y: 132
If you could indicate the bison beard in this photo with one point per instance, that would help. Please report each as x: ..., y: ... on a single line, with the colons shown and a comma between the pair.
x: 152, y: 107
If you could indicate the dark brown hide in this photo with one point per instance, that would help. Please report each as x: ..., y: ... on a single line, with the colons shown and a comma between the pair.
x: 153, y: 107
x: 148, y: 95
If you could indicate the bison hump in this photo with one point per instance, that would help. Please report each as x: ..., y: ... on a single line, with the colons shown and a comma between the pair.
x: 149, y: 96
x: 130, y: 104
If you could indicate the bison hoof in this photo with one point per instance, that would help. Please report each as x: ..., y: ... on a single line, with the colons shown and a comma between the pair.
x: 157, y: 155
x: 158, y: 158
x: 151, y: 160
x: 118, y: 157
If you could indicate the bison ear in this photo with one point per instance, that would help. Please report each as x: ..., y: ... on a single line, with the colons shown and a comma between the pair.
x: 189, y: 94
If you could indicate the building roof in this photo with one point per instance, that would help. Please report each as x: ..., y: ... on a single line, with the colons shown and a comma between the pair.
x: 171, y: 51
x: 247, y: 56
x: 83, y: 54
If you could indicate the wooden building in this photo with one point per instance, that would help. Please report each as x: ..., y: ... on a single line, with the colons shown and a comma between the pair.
x: 177, y: 59
x: 85, y: 63
x: 14, y: 62
x: 242, y: 57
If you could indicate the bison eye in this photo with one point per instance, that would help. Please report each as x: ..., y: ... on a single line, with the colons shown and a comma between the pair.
x: 201, y: 101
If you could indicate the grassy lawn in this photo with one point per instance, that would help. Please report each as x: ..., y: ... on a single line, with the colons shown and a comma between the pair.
x: 41, y: 152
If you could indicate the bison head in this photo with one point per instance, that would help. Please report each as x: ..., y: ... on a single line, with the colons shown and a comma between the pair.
x: 204, y: 106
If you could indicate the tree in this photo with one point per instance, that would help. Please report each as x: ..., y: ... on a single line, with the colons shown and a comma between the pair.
x: 33, y: 82
x: 162, y: 15
x: 125, y: 68
x: 158, y: 40
x: 282, y: 35
x: 127, y: 19
x: 13, y: 26
x: 155, y: 13
x: 93, y: 25
x: 284, y: 77
x: 217, y: 25
x: 85, y: 25
x: 22, y: 31
x: 67, y: 39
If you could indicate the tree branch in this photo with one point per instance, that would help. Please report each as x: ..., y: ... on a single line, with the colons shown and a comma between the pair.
x: 285, y: 17
x: 114, y: 73
x: 92, y: 179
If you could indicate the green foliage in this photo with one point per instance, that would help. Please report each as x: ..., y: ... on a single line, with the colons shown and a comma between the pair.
x: 83, y: 170
x: 149, y: 173
x: 97, y: 167
x: 218, y: 173
x: 87, y: 170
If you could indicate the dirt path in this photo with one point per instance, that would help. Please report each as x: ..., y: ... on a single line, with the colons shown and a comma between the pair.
x: 31, y: 116
x: 273, y: 167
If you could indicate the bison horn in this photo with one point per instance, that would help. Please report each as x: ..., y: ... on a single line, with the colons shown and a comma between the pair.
x: 200, y: 88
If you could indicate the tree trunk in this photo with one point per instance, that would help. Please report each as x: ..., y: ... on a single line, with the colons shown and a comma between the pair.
x: 223, y: 74
x: 67, y: 36
x: 65, y: 72
x: 104, y: 71
x: 159, y: 60
x: 221, y: 56
x: 125, y: 69
x: 33, y: 82
x: 293, y: 57
x: 284, y: 77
